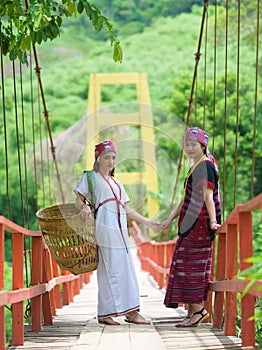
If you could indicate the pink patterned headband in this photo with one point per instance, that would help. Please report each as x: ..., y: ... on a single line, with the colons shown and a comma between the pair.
x: 197, y: 134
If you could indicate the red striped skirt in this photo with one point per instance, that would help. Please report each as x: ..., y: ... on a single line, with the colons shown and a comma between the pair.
x: 190, y: 270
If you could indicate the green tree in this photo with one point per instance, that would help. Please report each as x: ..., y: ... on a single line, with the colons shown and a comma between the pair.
x: 28, y: 22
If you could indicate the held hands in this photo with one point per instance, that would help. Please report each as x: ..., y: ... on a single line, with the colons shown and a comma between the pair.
x: 157, y: 226
x: 154, y: 225
x: 165, y: 224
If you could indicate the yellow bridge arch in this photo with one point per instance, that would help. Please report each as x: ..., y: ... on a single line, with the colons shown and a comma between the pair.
x: 143, y: 119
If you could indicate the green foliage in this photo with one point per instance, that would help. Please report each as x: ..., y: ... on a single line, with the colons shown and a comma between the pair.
x: 254, y: 274
x: 227, y: 157
x: 40, y: 21
x: 136, y: 15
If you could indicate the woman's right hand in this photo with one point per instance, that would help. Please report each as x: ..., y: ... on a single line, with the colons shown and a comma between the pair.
x: 86, y: 213
x: 154, y: 225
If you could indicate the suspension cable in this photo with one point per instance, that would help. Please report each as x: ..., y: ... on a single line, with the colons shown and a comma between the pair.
x: 25, y: 172
x: 255, y: 102
x: 46, y: 115
x: 215, y: 78
x: 41, y: 147
x: 225, y: 114
x: 190, y: 100
x: 5, y: 130
x: 205, y: 76
x: 33, y: 127
x: 18, y: 143
x: 237, y: 101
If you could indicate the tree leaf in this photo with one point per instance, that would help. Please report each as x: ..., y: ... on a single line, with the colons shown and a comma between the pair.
x: 118, y: 53
x: 37, y: 19
x: 80, y: 7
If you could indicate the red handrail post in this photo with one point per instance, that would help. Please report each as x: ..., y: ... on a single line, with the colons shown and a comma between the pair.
x: 161, y: 263
x: 2, y: 284
x: 144, y: 255
x: 153, y: 257
x: 2, y: 328
x: 87, y: 276
x: 220, y: 275
x: 66, y: 292
x: 71, y: 290
x: 58, y: 300
x: 2, y: 256
x: 248, y: 302
x: 18, y: 282
x: 231, y: 272
x: 48, y: 300
x: 37, y: 275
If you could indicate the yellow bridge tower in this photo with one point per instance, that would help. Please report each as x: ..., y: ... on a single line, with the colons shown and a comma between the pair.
x: 98, y: 120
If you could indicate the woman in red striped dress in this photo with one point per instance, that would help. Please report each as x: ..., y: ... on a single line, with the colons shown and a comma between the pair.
x: 199, y: 216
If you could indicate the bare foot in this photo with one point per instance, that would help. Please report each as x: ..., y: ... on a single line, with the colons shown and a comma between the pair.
x: 108, y: 321
x: 136, y: 318
x: 184, y: 323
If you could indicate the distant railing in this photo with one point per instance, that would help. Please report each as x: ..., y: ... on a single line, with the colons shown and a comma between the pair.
x: 234, y: 246
x: 155, y: 256
x: 44, y: 292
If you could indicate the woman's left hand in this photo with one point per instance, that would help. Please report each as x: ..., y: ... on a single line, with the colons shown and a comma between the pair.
x: 214, y: 226
x: 154, y: 225
x: 85, y: 213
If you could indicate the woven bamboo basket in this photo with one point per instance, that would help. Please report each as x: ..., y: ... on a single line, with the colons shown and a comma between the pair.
x: 70, y: 239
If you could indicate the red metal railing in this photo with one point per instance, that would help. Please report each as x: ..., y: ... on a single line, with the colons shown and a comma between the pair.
x: 46, y: 278
x: 155, y: 256
x: 234, y: 246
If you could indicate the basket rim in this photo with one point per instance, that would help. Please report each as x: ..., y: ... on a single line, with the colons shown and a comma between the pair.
x: 38, y: 213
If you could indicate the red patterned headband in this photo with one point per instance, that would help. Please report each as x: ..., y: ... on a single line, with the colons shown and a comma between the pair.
x: 104, y: 147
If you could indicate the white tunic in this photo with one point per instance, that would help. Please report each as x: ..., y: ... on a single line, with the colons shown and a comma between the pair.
x: 118, y: 291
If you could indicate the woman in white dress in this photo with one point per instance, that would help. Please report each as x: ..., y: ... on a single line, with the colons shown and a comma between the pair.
x: 118, y: 292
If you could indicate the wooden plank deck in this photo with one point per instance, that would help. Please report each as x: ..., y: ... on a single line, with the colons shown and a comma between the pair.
x: 76, y: 328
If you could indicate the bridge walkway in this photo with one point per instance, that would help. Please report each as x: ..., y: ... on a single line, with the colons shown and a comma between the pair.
x: 76, y: 327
